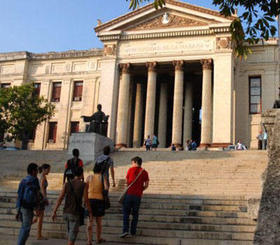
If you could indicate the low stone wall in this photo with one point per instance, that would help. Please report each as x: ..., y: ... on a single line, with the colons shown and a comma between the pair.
x: 268, y: 228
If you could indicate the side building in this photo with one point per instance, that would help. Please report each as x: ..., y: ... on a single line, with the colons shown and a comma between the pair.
x: 70, y: 80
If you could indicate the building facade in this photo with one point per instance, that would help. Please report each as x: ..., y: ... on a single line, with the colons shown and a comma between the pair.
x: 169, y: 72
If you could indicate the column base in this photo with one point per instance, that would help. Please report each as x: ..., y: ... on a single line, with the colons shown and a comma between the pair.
x: 120, y: 145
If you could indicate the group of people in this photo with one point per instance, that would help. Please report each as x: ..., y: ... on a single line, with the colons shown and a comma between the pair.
x: 151, y: 143
x: 92, y: 192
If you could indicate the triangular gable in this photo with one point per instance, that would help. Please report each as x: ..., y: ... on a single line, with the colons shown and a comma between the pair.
x: 135, y: 20
x: 168, y: 20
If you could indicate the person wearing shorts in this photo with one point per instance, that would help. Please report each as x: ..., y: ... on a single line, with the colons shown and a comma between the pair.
x: 95, y: 184
x: 74, y: 191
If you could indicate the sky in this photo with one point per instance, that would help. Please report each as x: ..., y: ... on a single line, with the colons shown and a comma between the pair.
x: 58, y: 25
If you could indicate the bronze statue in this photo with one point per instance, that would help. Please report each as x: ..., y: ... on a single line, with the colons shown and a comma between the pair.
x: 98, y: 122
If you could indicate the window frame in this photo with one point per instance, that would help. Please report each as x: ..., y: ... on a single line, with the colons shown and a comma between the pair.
x: 37, y: 90
x: 77, y: 97
x: 53, y: 99
x: 260, y: 95
x: 54, y: 132
x: 77, y: 124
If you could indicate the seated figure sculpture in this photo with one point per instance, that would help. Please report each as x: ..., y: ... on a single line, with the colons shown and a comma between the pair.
x: 98, y: 122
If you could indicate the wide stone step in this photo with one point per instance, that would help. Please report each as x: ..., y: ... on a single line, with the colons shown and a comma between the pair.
x: 155, y: 233
x: 138, y: 240
x: 153, y: 200
x: 9, y: 219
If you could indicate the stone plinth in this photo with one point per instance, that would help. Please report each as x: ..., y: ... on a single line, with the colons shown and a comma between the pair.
x: 268, y: 232
x: 90, y: 145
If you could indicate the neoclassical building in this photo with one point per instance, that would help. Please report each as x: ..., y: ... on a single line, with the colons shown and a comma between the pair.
x: 170, y: 72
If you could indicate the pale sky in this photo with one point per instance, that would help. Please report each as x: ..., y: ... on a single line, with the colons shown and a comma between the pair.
x: 58, y: 25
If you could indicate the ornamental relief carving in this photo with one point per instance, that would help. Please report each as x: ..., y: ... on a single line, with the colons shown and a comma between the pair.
x: 223, y: 42
x: 109, y: 49
x: 173, y: 21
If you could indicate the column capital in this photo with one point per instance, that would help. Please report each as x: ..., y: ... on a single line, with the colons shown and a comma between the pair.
x: 206, y: 64
x: 151, y: 66
x: 178, y: 65
x: 125, y: 67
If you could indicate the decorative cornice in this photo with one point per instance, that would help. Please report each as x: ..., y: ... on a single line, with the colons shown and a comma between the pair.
x: 12, y: 56
x: 125, y: 68
x: 151, y: 5
x: 158, y: 34
x: 178, y: 65
x: 151, y: 66
x: 206, y: 64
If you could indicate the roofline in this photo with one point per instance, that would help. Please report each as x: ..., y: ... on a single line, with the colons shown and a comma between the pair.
x: 151, y: 5
x: 23, y: 55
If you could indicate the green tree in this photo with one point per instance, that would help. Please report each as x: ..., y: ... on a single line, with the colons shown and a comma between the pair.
x: 256, y: 21
x: 23, y: 111
x: 3, y: 113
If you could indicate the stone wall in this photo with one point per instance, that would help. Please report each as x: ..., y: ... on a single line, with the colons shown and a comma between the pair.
x: 268, y: 228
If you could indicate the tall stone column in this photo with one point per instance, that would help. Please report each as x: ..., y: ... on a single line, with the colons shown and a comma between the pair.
x: 151, y: 99
x: 122, y: 119
x: 206, y: 120
x: 137, y: 131
x: 178, y: 104
x: 162, y: 122
x: 188, y: 113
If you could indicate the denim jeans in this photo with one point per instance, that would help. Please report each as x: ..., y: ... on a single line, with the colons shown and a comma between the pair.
x: 131, y: 205
x: 27, y: 217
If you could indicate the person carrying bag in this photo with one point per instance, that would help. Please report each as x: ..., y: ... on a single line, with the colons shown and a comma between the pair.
x: 137, y: 180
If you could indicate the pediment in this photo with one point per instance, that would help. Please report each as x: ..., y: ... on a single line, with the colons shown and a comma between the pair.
x: 180, y: 14
x: 167, y: 20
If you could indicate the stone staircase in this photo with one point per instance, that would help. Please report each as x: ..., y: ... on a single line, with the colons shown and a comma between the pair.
x: 196, y: 198
x: 164, y: 219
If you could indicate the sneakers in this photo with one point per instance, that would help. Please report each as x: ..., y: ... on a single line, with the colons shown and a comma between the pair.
x: 124, y: 235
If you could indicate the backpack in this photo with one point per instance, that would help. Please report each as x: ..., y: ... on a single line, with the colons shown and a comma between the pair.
x: 104, y: 165
x: 30, y: 198
x: 72, y: 167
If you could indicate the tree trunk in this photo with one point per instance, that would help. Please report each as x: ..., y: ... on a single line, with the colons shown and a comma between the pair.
x: 24, y: 142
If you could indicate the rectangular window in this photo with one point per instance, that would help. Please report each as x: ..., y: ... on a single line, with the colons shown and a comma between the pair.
x: 255, y: 94
x: 74, y: 127
x: 5, y: 85
x: 78, y: 91
x: 52, y: 132
x: 37, y: 87
x: 56, y: 90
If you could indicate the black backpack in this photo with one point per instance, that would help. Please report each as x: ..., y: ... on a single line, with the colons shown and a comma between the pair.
x: 72, y: 167
x: 104, y: 165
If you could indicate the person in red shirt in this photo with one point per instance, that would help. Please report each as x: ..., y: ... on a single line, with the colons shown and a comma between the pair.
x: 133, y: 196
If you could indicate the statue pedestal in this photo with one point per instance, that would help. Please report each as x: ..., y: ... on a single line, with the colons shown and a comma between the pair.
x: 90, y: 145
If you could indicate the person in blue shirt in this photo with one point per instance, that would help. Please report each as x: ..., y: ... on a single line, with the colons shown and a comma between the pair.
x: 27, y: 201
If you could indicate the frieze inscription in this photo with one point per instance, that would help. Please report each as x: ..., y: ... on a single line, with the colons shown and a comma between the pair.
x: 157, y: 48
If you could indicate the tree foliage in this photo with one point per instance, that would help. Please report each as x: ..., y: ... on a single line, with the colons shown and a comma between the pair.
x: 22, y: 111
x: 256, y: 21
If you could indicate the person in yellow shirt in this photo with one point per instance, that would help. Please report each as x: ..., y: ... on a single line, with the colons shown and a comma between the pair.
x: 96, y: 185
